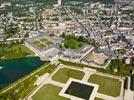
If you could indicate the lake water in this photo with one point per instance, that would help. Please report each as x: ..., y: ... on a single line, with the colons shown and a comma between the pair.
x: 11, y: 70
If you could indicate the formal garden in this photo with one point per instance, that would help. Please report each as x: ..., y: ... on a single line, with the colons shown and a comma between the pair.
x: 42, y: 43
x: 109, y: 86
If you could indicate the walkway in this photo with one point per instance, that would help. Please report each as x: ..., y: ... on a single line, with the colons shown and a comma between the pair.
x: 105, y: 97
x: 56, y: 83
x: 129, y: 95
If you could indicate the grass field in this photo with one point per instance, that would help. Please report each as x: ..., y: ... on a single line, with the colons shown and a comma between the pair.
x: 49, y: 92
x: 39, y: 44
x: 43, y: 40
x: 14, y: 51
x: 42, y: 43
x: 48, y: 42
x: 64, y: 74
x: 108, y: 86
x: 36, y: 42
x: 70, y: 41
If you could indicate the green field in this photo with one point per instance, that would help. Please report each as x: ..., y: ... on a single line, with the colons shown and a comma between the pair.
x: 36, y: 42
x: 39, y: 44
x: 65, y: 73
x: 14, y: 51
x: 43, y: 40
x: 108, y: 86
x: 42, y: 43
x: 46, y: 41
x: 49, y: 92
x: 72, y: 42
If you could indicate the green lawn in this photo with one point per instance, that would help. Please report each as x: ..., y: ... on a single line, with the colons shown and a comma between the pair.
x: 49, y: 92
x: 65, y: 73
x: 108, y: 86
x: 41, y: 45
x: 43, y: 40
x: 70, y: 41
x: 36, y: 43
x: 48, y: 42
x: 14, y: 51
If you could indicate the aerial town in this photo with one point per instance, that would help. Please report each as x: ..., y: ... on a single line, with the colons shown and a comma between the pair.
x: 67, y: 50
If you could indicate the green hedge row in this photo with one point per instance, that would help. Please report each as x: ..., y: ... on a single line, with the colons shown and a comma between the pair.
x: 81, y: 65
x: 132, y: 83
x: 126, y: 83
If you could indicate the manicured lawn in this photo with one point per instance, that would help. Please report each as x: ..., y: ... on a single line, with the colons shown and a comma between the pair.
x: 49, y: 92
x: 36, y: 43
x: 48, y: 42
x: 41, y: 45
x: 14, y: 51
x: 108, y: 86
x: 43, y: 40
x: 65, y: 73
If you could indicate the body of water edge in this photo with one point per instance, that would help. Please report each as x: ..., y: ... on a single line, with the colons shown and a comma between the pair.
x: 11, y: 70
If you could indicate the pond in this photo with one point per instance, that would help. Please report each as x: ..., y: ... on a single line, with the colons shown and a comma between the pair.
x: 79, y: 90
x: 11, y: 70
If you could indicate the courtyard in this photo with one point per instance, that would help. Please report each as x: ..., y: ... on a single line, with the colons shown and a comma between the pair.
x: 98, y: 58
x: 42, y: 43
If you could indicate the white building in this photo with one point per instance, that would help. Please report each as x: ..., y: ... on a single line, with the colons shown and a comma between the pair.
x: 76, y: 55
x: 59, y: 2
x: 51, y: 54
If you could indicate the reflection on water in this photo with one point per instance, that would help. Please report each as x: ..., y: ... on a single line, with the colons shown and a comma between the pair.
x: 1, y: 67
